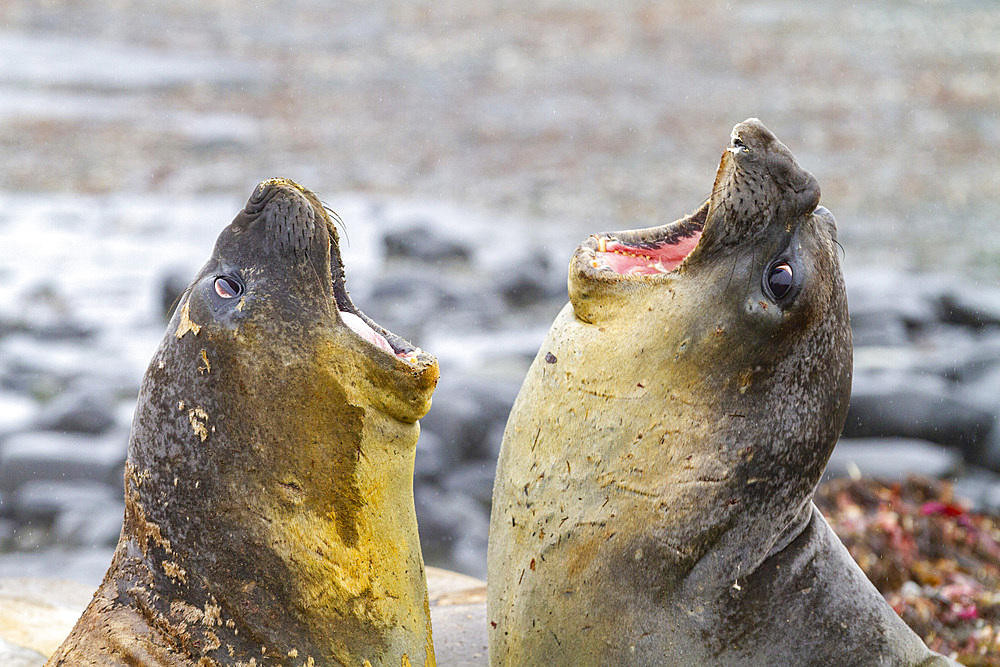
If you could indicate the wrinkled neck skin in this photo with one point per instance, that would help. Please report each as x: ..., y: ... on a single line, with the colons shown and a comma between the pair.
x: 269, y: 502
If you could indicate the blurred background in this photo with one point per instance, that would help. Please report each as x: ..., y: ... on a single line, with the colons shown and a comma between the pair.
x: 469, y: 147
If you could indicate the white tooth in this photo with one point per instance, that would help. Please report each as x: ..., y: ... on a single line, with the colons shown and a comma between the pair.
x: 358, y: 326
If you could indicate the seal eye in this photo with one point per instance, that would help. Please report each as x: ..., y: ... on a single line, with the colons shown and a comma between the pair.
x: 778, y: 280
x: 227, y: 288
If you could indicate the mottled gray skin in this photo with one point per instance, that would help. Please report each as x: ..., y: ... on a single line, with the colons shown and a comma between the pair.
x: 653, y: 499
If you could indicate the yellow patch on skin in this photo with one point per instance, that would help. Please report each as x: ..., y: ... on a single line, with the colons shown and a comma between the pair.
x: 187, y: 614
x: 174, y: 571
x: 207, y: 368
x: 369, y: 572
x: 186, y: 324
x: 212, y: 614
x: 198, y: 417
x: 143, y: 530
x: 212, y: 641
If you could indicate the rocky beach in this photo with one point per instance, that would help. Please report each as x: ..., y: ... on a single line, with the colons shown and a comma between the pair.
x: 468, y: 150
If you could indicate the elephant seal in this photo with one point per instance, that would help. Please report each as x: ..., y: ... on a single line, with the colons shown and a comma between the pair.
x: 269, y: 484
x: 653, y: 497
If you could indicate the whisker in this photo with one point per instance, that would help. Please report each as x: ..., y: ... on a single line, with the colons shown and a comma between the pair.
x: 337, y: 220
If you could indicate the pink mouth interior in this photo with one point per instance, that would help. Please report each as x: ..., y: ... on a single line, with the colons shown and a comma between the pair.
x: 643, y: 260
x: 360, y: 327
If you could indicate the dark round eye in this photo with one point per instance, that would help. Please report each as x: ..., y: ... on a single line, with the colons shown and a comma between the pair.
x: 228, y: 288
x: 738, y: 143
x: 778, y: 280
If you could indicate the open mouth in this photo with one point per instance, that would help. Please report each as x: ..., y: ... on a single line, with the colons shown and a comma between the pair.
x: 644, y: 252
x: 356, y: 320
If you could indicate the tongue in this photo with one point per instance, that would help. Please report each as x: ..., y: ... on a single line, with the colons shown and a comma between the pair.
x: 358, y: 326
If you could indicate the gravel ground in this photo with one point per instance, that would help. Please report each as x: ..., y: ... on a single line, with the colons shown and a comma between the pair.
x: 575, y: 113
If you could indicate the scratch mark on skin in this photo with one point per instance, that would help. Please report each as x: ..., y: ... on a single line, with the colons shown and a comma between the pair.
x: 639, y: 492
x: 187, y: 324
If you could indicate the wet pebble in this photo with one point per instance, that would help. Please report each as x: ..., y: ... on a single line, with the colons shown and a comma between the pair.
x: 52, y: 456
x: 85, y: 410
x: 916, y: 406
x: 466, y: 414
x: 47, y: 500
x: 421, y: 241
x: 971, y: 307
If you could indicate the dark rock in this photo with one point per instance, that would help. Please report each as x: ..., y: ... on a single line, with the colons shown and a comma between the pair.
x: 523, y: 290
x: 915, y: 406
x: 44, y: 500
x: 909, y: 299
x: 974, y: 361
x: 878, y: 328
x: 973, y: 307
x: 962, y: 355
x: 531, y: 281
x: 86, y: 410
x: 465, y: 413
x: 408, y: 301
x: 891, y: 459
x: 422, y: 242
x: 989, y: 454
x: 47, y: 455
x: 984, y: 390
